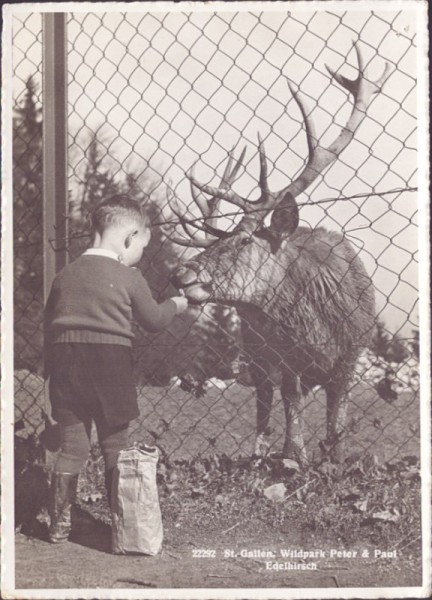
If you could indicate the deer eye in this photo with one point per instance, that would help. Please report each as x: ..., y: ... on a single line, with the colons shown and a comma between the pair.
x: 246, y: 240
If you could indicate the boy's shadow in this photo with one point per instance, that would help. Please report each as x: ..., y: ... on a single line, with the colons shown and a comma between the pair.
x: 89, y: 531
x: 86, y: 531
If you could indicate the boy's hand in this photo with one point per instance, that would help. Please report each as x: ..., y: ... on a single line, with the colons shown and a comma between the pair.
x: 181, y: 302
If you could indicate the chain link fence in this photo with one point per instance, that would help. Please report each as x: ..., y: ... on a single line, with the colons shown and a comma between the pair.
x: 152, y: 94
x: 28, y: 223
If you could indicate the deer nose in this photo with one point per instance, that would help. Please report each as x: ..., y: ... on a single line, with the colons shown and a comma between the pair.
x: 184, y: 276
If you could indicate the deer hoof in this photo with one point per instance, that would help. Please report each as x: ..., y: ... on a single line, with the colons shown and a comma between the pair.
x: 296, y: 452
x: 262, y: 445
x: 331, y: 450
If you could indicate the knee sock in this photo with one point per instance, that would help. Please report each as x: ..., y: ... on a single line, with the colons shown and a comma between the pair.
x: 111, y: 444
x: 75, y: 447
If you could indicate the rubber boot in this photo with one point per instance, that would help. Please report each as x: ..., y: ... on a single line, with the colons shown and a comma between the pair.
x: 109, y: 475
x: 62, y: 496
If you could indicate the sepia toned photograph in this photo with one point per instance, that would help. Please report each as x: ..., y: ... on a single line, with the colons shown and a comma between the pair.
x: 215, y: 300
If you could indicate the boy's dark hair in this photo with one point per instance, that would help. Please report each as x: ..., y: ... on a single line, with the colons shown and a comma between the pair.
x: 117, y: 210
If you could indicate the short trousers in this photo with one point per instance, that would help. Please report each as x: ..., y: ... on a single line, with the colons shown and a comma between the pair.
x: 92, y: 380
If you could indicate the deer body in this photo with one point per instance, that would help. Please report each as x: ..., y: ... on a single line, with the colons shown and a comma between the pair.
x: 304, y: 298
x: 306, y: 311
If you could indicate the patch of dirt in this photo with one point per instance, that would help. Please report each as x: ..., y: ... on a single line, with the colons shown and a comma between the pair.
x: 208, y: 557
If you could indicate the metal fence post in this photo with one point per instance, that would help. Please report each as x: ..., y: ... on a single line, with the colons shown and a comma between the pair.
x: 55, y: 195
x: 55, y: 190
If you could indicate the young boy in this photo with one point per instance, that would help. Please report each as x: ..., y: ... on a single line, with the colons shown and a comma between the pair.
x: 88, y: 339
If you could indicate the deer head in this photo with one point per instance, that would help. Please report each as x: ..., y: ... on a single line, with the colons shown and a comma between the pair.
x: 231, y: 267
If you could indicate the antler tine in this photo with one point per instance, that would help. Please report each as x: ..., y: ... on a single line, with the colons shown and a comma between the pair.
x: 199, y: 199
x: 311, y: 136
x: 362, y: 90
x: 227, y: 195
x: 222, y: 192
x: 214, y: 231
x: 229, y: 175
x: 191, y: 243
x: 265, y: 193
x: 207, y: 207
x: 349, y: 84
x: 320, y: 158
x: 379, y: 83
x: 225, y: 180
x: 205, y: 227
x: 185, y: 223
x: 360, y: 84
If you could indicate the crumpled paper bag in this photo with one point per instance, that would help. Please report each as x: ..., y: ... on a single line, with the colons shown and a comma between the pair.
x: 136, y: 515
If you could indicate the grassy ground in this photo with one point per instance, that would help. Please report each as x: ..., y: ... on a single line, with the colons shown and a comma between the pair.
x: 224, y: 422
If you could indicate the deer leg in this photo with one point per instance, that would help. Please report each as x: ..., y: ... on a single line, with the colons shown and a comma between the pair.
x: 337, y: 408
x: 292, y: 397
x: 260, y: 373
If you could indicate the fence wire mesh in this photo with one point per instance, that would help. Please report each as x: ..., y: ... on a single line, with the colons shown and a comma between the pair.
x: 28, y: 221
x: 152, y: 94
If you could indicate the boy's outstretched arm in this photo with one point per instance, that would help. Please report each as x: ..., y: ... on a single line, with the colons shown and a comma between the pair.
x: 151, y: 315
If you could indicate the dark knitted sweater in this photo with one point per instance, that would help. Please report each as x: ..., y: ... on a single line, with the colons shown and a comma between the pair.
x: 95, y: 299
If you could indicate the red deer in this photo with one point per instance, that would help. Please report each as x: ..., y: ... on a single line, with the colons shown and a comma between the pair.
x: 305, y: 300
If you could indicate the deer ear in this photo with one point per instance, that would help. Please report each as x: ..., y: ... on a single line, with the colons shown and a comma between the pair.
x: 285, y: 217
x: 272, y: 237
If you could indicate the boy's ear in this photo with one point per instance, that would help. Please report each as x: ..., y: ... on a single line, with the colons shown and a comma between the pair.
x: 128, y: 239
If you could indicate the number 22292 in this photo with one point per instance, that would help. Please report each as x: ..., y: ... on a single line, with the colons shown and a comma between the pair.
x: 203, y: 553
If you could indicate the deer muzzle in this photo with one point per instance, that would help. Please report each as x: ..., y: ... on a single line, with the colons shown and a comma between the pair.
x: 197, y: 285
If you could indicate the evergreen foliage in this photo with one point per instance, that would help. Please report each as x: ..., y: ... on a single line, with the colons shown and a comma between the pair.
x: 28, y: 231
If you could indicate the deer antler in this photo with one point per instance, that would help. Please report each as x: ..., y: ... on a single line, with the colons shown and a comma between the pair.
x: 319, y: 157
x: 224, y: 193
x: 205, y: 227
x: 189, y: 243
x: 208, y: 208
x: 192, y: 241
x: 186, y: 225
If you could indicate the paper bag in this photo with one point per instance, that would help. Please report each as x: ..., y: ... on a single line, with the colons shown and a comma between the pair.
x: 136, y: 515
